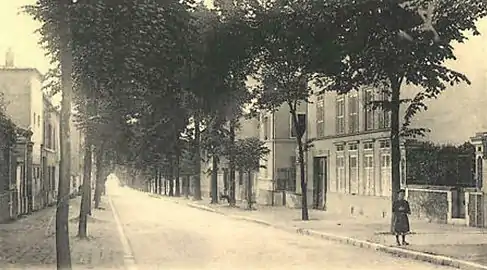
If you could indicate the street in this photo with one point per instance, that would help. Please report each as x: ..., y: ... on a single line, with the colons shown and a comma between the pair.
x: 166, y: 235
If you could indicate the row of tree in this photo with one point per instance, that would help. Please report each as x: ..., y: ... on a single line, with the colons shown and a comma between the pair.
x: 155, y: 80
x: 243, y: 156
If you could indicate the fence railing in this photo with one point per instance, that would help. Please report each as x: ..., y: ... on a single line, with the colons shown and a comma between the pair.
x: 286, y: 179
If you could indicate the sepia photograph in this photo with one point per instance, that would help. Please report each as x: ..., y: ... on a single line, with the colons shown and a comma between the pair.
x: 243, y: 134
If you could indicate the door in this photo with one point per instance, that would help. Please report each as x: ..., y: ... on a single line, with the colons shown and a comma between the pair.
x: 319, y: 182
x: 20, y: 188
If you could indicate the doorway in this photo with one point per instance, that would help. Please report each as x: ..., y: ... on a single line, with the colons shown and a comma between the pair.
x: 320, y: 176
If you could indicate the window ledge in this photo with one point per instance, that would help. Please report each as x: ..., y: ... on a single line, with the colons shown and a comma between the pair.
x: 343, y: 135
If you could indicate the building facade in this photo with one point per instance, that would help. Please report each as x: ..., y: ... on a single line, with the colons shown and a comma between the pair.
x: 77, y: 153
x: 277, y: 178
x: 348, y: 169
x: 24, y: 103
x: 349, y: 164
x: 51, y: 155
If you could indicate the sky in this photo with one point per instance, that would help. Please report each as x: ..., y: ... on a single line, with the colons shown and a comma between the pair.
x: 17, y: 31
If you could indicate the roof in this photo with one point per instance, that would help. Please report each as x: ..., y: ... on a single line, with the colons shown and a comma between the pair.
x: 16, y: 69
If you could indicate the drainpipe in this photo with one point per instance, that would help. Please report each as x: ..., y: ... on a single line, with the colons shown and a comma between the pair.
x: 273, y: 158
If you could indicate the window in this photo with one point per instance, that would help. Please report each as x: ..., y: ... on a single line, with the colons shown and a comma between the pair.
x: 340, y: 148
x: 385, y: 161
x: 368, y: 110
x: 340, y: 167
x: 320, y: 116
x: 353, y: 105
x: 301, y: 118
x: 38, y: 120
x: 49, y: 136
x: 53, y: 178
x: 353, y: 165
x: 35, y: 118
x: 385, y: 144
x: 385, y: 165
x: 368, y: 146
x: 54, y: 139
x: 265, y: 123
x: 384, y: 116
x: 340, y: 115
x: 369, y: 188
x: 353, y: 146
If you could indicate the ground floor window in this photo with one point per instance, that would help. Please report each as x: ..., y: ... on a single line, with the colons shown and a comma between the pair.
x: 385, y: 175
x: 340, y: 171
x: 353, y: 175
x: 369, y: 186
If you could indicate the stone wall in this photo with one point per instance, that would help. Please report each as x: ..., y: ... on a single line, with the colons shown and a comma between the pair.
x: 430, y: 204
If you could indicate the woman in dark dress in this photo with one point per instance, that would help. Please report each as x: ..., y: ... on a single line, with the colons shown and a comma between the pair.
x: 401, y: 210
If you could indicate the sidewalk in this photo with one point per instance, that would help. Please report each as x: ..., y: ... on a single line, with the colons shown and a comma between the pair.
x: 30, y: 242
x: 457, y: 246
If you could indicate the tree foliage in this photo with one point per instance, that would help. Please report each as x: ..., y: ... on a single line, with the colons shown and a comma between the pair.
x: 249, y: 153
x: 378, y: 56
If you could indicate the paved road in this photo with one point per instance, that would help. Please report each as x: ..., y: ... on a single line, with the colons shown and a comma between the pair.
x: 165, y: 235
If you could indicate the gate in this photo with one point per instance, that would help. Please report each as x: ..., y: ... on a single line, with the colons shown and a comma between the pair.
x: 475, y: 209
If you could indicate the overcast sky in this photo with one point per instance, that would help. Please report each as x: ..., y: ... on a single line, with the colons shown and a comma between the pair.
x: 17, y: 32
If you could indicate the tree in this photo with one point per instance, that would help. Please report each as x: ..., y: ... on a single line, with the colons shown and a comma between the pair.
x: 63, y: 251
x: 85, y: 207
x: 298, y: 43
x: 222, y: 51
x: 112, y: 66
x: 379, y: 55
x: 249, y: 152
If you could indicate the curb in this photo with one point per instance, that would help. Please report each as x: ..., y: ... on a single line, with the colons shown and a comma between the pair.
x: 398, y: 252
x: 128, y: 256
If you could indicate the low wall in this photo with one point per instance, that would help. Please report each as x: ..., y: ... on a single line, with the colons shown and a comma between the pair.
x: 4, y: 206
x: 264, y: 197
x: 358, y: 205
x: 293, y: 200
x: 431, y: 204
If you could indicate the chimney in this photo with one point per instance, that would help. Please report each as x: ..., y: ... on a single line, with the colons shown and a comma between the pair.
x: 9, y: 58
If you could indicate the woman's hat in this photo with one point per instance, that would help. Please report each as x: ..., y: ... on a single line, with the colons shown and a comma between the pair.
x: 401, y: 191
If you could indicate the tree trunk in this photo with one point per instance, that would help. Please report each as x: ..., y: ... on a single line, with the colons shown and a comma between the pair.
x: 99, y: 175
x: 249, y: 190
x: 164, y: 182
x: 304, y: 185
x: 63, y: 252
x: 395, y: 143
x: 197, y: 160
x: 214, y: 179
x: 171, y: 176
x: 176, y: 174
x: 156, y: 187
x: 89, y: 195
x: 85, y: 199
x: 231, y: 164
x: 159, y: 179
x: 186, y: 186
